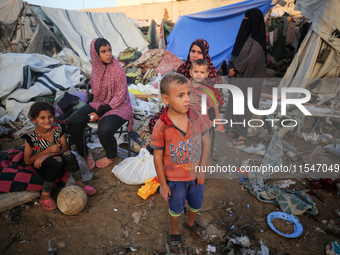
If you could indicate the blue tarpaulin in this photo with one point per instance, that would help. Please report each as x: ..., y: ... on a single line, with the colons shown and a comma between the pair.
x: 217, y: 26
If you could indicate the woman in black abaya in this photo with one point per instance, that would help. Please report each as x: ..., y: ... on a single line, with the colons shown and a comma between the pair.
x: 248, y: 61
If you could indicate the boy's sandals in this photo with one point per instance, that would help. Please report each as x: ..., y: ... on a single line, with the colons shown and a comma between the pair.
x: 104, y: 162
x: 90, y: 162
x: 90, y: 191
x: 198, y: 231
x: 175, y: 244
x: 240, y: 141
x: 48, y: 204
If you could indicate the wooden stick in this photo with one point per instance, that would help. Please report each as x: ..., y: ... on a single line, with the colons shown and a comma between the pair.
x: 10, y: 124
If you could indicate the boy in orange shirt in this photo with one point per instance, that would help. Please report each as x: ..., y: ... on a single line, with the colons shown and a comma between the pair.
x: 181, y: 144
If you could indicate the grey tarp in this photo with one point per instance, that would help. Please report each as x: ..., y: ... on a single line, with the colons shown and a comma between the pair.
x: 304, y: 69
x: 25, y: 76
x: 80, y: 28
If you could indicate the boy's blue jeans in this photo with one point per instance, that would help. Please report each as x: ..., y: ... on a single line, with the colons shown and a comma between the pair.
x: 185, y: 190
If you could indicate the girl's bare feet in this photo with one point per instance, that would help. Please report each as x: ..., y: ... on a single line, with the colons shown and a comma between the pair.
x: 104, y: 162
x: 45, y: 195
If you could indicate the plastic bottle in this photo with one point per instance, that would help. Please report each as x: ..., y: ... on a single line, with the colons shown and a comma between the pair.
x: 292, y: 156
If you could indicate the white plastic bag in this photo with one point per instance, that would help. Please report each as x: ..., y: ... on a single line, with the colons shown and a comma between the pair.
x: 135, y: 170
x: 86, y: 175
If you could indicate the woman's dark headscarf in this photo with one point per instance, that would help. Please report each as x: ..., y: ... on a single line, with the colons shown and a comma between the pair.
x: 186, y: 66
x: 255, y: 26
x: 99, y: 43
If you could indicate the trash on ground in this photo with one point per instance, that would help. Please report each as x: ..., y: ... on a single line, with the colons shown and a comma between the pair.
x: 211, y: 248
x: 297, y: 227
x: 136, y: 217
x: 333, y: 149
x: 283, y: 184
x: 241, y: 240
x: 333, y: 248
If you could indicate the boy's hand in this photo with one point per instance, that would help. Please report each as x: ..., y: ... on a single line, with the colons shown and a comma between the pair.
x: 40, y: 160
x: 200, y: 178
x: 165, y: 192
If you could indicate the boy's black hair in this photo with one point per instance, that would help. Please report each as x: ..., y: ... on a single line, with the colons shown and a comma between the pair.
x: 171, y: 78
x: 37, y: 107
x: 200, y: 62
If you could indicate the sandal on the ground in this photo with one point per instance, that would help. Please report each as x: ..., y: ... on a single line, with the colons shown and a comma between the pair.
x: 90, y: 162
x: 198, y: 231
x: 48, y: 204
x: 175, y: 244
x: 100, y: 164
x: 242, y: 140
x: 90, y: 191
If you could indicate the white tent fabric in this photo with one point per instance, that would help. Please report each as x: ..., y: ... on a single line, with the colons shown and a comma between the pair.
x: 80, y: 28
x: 25, y: 76
x: 9, y: 11
x: 15, y: 70
x: 304, y: 69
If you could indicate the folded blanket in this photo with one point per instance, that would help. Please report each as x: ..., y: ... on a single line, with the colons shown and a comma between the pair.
x: 15, y: 175
x: 293, y: 202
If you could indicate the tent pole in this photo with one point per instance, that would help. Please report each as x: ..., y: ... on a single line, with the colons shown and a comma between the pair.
x: 9, y: 43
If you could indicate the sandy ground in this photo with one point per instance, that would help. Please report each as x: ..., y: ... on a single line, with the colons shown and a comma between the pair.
x: 106, y: 225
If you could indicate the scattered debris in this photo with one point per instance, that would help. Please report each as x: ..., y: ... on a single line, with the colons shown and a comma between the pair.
x: 61, y: 244
x: 337, y: 212
x: 133, y: 249
x: 51, y: 250
x: 12, y: 216
x: 264, y: 249
x: 12, y: 239
x: 216, y: 235
x: 241, y: 240
x: 332, y: 227
x: 259, y: 149
x: 333, y: 149
x: 211, y: 248
x: 333, y: 248
x: 136, y: 217
x: 283, y: 184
